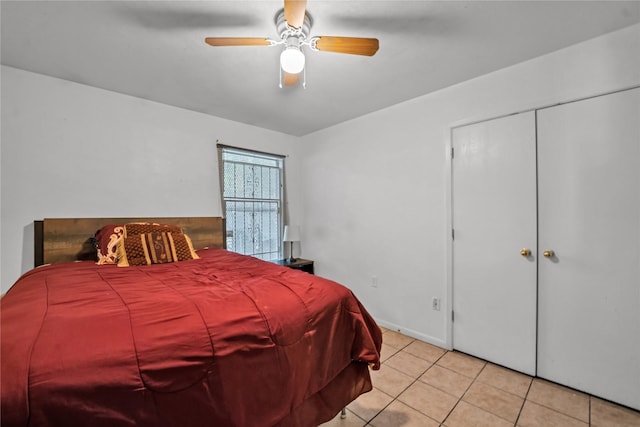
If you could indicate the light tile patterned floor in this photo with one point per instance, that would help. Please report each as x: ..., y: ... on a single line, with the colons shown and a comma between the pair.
x: 421, y: 385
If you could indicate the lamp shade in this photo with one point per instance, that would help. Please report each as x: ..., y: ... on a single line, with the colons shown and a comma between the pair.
x: 291, y: 233
x: 292, y: 60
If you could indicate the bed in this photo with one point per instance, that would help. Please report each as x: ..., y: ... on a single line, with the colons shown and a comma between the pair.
x: 220, y: 339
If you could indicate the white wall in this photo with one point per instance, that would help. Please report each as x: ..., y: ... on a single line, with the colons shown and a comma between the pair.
x: 377, y: 189
x: 70, y: 150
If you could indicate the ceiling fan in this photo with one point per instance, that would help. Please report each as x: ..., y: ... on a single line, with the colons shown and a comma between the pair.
x: 293, y: 24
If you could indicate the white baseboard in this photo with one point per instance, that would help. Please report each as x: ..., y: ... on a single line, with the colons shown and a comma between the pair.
x: 413, y: 334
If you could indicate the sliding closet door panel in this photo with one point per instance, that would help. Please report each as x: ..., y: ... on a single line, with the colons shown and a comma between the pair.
x: 589, y: 216
x: 494, y: 218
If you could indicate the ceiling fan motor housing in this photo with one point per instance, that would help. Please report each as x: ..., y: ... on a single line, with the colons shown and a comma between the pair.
x: 285, y: 31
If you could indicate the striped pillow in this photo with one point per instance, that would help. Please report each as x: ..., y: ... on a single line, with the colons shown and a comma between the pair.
x: 134, y: 228
x: 157, y: 247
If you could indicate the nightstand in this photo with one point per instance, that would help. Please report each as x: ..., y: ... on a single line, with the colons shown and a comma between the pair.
x: 299, y: 264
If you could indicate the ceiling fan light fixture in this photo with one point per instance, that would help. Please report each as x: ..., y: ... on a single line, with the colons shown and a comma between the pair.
x: 292, y: 60
x: 293, y: 24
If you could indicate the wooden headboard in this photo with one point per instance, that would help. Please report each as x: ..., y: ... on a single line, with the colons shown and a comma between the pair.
x: 69, y: 239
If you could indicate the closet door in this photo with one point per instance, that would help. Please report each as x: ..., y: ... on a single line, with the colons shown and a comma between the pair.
x: 589, y: 216
x: 494, y: 218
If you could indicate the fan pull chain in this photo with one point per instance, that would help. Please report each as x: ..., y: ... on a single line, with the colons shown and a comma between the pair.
x: 304, y: 78
x: 280, y: 68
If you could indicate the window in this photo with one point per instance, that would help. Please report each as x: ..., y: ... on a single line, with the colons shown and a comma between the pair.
x: 252, y: 193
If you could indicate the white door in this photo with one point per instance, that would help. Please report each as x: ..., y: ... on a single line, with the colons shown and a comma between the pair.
x: 589, y: 216
x: 494, y: 219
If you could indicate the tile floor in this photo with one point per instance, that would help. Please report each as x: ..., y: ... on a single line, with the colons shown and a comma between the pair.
x: 423, y: 385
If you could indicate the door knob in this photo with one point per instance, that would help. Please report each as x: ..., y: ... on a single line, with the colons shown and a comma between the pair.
x: 525, y: 252
x: 547, y: 254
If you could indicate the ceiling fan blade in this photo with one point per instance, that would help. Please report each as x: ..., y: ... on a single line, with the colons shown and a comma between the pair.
x: 291, y: 79
x: 294, y: 11
x: 237, y: 41
x: 350, y: 45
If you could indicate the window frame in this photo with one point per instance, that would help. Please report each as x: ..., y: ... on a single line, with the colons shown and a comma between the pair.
x: 260, y: 159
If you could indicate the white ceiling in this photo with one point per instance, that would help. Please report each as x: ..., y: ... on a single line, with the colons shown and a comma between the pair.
x: 155, y: 50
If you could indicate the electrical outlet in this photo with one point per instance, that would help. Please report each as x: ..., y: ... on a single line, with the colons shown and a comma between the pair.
x: 374, y: 281
x: 435, y: 304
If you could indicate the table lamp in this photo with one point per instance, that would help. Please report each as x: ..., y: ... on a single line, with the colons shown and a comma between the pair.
x: 291, y: 234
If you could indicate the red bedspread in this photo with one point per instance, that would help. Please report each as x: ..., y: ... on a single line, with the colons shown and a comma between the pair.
x: 227, y: 340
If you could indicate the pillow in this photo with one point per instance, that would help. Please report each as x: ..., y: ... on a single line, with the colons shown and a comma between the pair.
x: 106, y: 241
x: 157, y: 247
x: 135, y: 228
